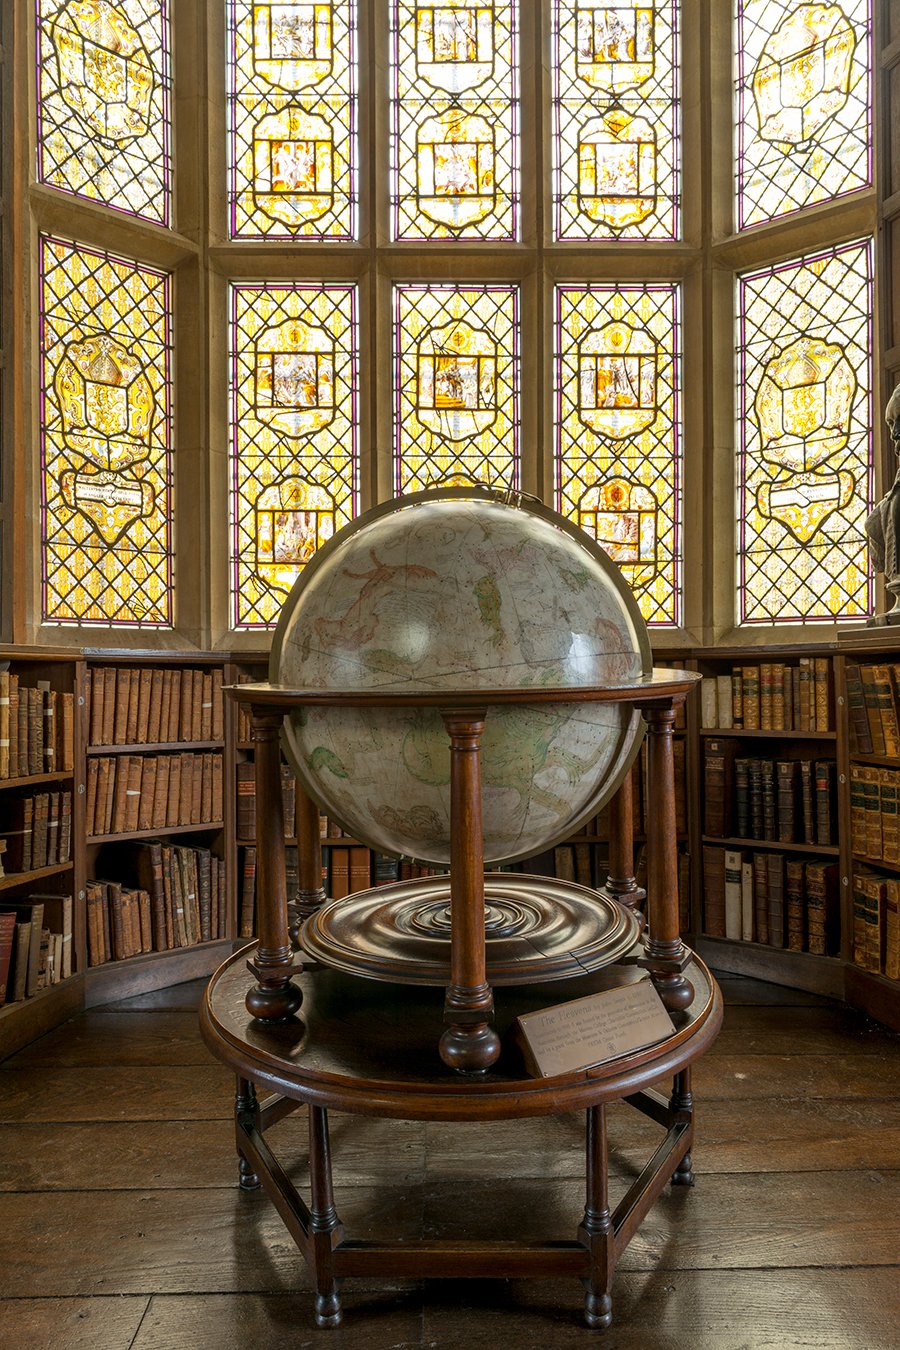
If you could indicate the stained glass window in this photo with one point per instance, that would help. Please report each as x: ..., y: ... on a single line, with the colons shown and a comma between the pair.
x: 618, y: 432
x: 615, y: 119
x: 106, y: 465
x: 803, y: 115
x: 804, y: 428
x: 293, y: 109
x: 456, y: 386
x: 294, y: 435
x: 454, y: 142
x: 103, y: 102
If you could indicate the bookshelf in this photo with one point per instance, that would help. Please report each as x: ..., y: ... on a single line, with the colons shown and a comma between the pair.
x: 157, y: 900
x: 770, y: 818
x: 41, y: 820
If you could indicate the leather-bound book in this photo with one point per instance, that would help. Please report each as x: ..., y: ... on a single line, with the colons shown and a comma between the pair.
x: 186, y: 719
x: 174, y: 730
x: 218, y: 708
x: 248, y: 893
x: 713, y: 890
x: 187, y: 789
x: 93, y: 923
x: 39, y: 846
x: 821, y: 905
x: 165, y: 706
x: 169, y: 892
x: 148, y: 793
x: 206, y: 705
x: 134, y: 698
x: 154, y: 706
x: 742, y: 821
x: 116, y: 920
x: 786, y: 788
x: 119, y: 795
x: 197, y: 678
x: 120, y: 722
x: 161, y: 792
x: 340, y: 873
x: 751, y: 697
x: 858, y: 722
x: 13, y: 725
x: 892, y: 928
x: 246, y: 800
x: 65, y: 826
x: 776, y: 899
x: 718, y: 762
x: 35, y: 731
x: 173, y: 808
x: 204, y: 880
x: 19, y: 834
x: 761, y: 896
x: 146, y: 923
x: 134, y: 767
x: 769, y: 799
x: 4, y: 737
x: 145, y: 683
x: 360, y: 868
x: 53, y: 830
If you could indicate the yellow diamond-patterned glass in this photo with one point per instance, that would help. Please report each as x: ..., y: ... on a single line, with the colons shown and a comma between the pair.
x: 804, y: 435
x: 616, y: 119
x: 104, y: 123
x: 106, y: 467
x: 803, y: 117
x: 456, y: 386
x: 618, y: 432
x: 454, y: 141
x: 293, y: 109
x: 293, y: 436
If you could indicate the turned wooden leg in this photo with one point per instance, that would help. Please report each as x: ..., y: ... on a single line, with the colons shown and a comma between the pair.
x: 309, y: 864
x: 246, y: 1109
x: 325, y: 1227
x: 681, y: 1104
x: 596, y: 1228
x: 273, y: 998
x: 665, y: 954
x: 469, y: 1044
x: 620, y: 884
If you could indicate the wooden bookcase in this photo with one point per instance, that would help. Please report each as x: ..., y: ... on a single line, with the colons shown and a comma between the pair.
x: 108, y: 855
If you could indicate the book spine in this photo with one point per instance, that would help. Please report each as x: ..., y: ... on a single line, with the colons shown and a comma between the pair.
x: 761, y: 896
x: 786, y: 771
x: 714, y: 922
x: 134, y: 697
x: 857, y: 721
x: 737, y: 698
x: 822, y: 696
x: 733, y: 862
x: 751, y: 698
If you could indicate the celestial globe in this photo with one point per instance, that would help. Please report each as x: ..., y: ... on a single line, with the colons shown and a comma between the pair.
x: 448, y: 590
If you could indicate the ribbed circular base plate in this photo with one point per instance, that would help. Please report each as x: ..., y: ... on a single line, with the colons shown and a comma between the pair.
x: 536, y: 929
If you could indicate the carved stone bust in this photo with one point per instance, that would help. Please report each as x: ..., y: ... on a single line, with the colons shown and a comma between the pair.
x: 883, y: 524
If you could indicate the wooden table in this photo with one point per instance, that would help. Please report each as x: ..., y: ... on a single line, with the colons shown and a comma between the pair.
x: 367, y: 1047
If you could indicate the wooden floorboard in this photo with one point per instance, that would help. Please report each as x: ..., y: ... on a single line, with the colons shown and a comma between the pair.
x: 121, y: 1227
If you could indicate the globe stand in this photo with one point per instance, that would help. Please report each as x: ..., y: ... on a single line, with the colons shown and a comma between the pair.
x: 620, y: 885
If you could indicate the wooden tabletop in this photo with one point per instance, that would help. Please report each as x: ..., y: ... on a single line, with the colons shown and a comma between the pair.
x: 369, y: 1046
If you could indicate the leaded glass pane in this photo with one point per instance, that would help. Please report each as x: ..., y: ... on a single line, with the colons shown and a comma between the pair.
x: 293, y: 110
x: 293, y: 435
x: 456, y: 386
x: 618, y: 432
x: 104, y: 102
x: 454, y: 142
x: 106, y: 478
x: 803, y: 116
x: 804, y: 430
x: 616, y: 119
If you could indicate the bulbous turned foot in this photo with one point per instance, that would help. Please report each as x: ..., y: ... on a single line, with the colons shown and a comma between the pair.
x: 273, y: 1003
x: 598, y: 1310
x: 676, y: 992
x: 247, y: 1178
x: 684, y: 1172
x: 470, y: 1049
x: 328, y: 1310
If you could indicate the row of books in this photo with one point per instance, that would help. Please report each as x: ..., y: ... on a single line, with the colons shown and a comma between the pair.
x: 181, y: 901
x: 345, y: 870
x: 588, y: 865
x: 126, y: 793
x: 771, y: 696
x: 246, y: 800
x: 37, y: 831
x: 35, y: 945
x: 785, y: 801
x: 766, y: 897
x: 873, y: 708
x: 130, y: 705
x: 875, y: 812
x: 876, y: 922
x: 37, y: 729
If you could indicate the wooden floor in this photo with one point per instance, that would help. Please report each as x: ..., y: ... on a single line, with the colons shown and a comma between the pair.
x: 121, y: 1225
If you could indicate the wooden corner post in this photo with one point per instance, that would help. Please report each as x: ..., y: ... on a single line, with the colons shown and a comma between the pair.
x: 273, y: 998
x: 469, y: 1044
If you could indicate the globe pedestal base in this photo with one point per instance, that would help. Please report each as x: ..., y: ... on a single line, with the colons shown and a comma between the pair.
x: 537, y: 929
